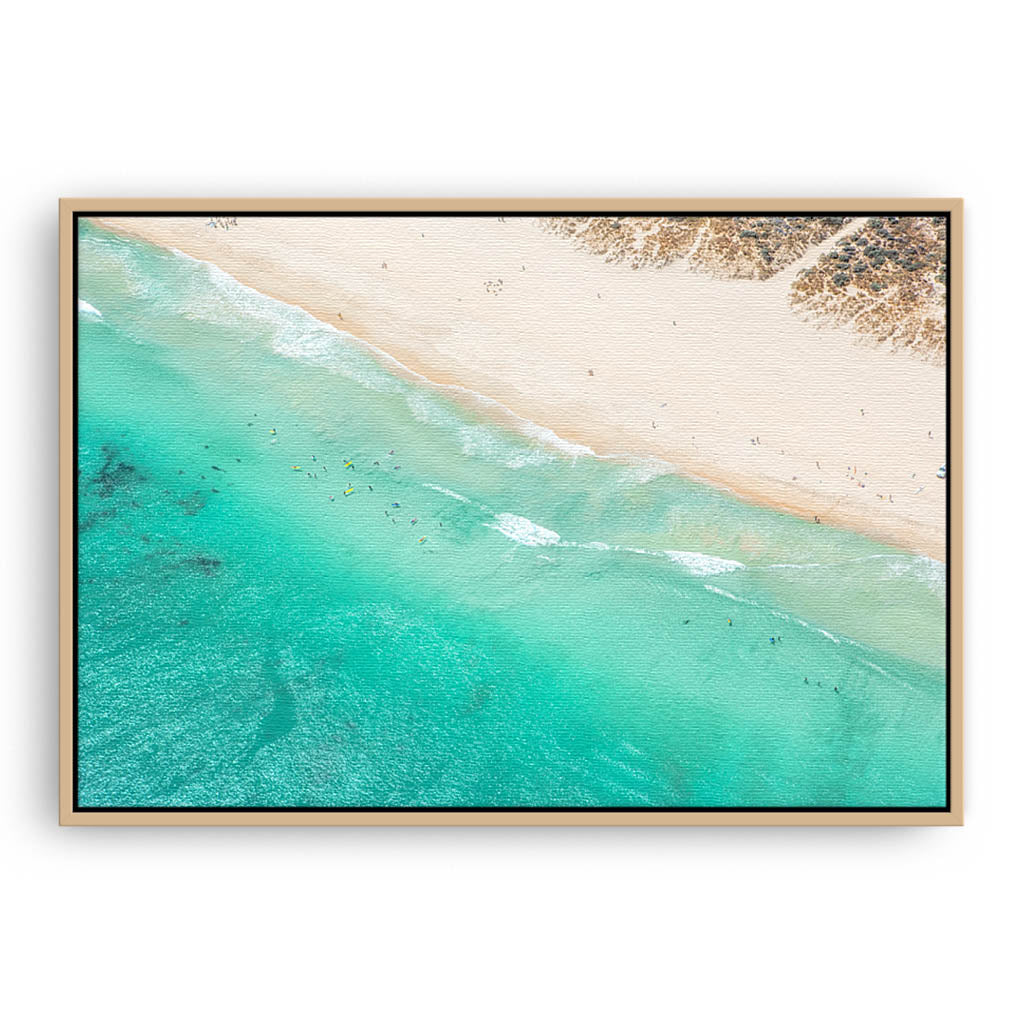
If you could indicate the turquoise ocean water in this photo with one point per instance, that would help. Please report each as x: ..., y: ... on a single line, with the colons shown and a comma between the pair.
x: 491, y: 617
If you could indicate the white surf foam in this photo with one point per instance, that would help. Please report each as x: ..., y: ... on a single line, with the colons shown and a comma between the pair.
x: 88, y: 308
x: 303, y: 336
x: 930, y: 572
x: 699, y: 564
x: 725, y: 593
x: 643, y: 469
x: 523, y: 530
x: 925, y: 570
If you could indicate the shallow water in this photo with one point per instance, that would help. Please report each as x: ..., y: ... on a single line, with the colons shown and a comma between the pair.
x: 490, y: 618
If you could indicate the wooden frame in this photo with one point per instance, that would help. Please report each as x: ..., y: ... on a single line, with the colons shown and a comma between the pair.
x: 952, y: 815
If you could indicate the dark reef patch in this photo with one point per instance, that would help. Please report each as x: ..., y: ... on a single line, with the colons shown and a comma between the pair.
x: 192, y: 504
x: 86, y: 524
x: 115, y: 474
x: 200, y: 563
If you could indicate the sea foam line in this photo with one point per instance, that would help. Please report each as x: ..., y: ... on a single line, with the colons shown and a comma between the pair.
x: 305, y: 346
x: 450, y: 494
x: 530, y: 534
x: 700, y: 564
x: 929, y: 571
x: 303, y: 343
x: 837, y: 640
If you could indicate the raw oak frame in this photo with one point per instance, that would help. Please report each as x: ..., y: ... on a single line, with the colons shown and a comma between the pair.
x: 953, y: 814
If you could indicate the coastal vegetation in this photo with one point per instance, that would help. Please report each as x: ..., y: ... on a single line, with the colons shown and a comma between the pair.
x: 884, y: 276
x: 740, y: 247
x: 887, y: 280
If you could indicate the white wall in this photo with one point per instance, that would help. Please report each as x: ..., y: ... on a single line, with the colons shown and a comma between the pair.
x: 511, y: 99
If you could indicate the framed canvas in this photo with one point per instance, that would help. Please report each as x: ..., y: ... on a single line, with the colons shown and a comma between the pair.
x: 511, y: 511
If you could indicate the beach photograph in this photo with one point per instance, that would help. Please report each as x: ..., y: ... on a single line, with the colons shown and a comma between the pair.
x: 509, y: 514
x: 511, y: 509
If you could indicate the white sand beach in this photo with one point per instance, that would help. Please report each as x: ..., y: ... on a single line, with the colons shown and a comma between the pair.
x: 718, y: 377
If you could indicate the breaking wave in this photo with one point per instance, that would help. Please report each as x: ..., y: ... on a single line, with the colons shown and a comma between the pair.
x: 530, y: 534
x: 523, y: 531
x: 698, y: 564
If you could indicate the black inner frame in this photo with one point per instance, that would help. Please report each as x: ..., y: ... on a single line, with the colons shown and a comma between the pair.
x: 306, y: 808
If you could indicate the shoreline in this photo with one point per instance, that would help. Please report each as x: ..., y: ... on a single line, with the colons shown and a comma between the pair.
x: 751, y: 492
x: 529, y: 352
